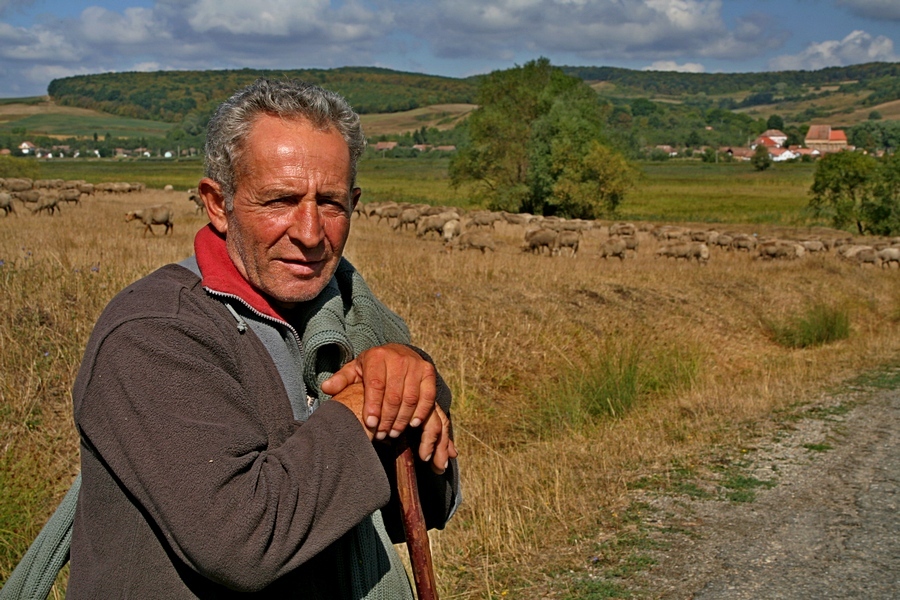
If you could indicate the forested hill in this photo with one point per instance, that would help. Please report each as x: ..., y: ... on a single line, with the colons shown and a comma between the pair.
x: 186, y: 96
x: 173, y: 95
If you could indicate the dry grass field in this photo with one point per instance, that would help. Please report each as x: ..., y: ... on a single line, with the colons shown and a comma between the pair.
x: 572, y: 377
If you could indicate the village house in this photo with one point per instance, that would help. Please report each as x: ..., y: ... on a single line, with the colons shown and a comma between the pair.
x: 27, y: 148
x: 825, y: 139
x: 382, y: 146
x: 777, y: 136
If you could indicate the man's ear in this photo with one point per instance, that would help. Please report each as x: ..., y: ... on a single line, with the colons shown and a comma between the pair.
x: 355, y: 194
x: 214, y: 201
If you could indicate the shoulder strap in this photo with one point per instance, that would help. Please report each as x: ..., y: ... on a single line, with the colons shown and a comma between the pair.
x: 34, y: 575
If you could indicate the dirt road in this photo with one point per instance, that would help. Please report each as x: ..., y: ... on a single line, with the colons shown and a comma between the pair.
x: 828, y: 528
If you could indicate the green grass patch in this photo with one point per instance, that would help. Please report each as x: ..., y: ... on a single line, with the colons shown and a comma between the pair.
x: 742, y: 488
x: 817, y: 325
x: 611, y: 382
x: 183, y: 174
x: 818, y: 447
x: 85, y: 126
x: 884, y: 378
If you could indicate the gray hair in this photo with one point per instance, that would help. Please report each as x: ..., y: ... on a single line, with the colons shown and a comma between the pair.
x: 230, y: 125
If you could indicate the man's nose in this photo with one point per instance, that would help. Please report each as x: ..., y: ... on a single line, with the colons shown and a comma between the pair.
x: 308, y: 227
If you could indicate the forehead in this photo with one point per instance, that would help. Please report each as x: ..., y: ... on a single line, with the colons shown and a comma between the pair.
x: 293, y: 142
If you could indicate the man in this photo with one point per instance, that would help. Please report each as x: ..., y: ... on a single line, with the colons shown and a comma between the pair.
x: 233, y: 409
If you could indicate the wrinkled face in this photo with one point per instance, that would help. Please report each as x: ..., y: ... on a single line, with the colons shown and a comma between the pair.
x: 292, y: 208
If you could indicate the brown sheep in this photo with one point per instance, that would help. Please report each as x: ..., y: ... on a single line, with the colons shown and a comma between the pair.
x: 538, y: 239
x: 154, y: 215
x: 6, y: 204
x: 686, y: 250
x: 474, y: 239
x: 49, y: 202
x: 568, y: 239
x: 615, y: 246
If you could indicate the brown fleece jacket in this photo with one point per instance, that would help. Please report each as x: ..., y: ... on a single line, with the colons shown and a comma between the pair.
x: 198, y: 482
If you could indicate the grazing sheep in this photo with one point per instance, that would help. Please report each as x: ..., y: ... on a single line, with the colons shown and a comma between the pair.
x: 390, y: 211
x: 434, y: 223
x: 868, y: 256
x: 615, y: 246
x: 538, y: 239
x: 28, y: 196
x: 70, y: 195
x: 6, y: 203
x: 50, y: 203
x: 194, y: 196
x: 670, y: 232
x: 775, y: 249
x: 450, y: 230
x: 889, y: 255
x: 617, y: 229
x: 686, y: 250
x: 743, y: 241
x: 409, y: 216
x: 813, y: 245
x: 483, y: 219
x: 474, y: 239
x: 154, y: 215
x: 567, y: 239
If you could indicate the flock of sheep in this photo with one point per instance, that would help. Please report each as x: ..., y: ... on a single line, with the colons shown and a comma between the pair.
x: 46, y: 195
x: 462, y: 230
x: 553, y: 236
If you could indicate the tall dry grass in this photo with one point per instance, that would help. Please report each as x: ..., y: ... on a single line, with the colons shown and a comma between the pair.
x: 571, y: 377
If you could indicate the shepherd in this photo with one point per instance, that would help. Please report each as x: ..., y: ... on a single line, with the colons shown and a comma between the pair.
x: 236, y: 410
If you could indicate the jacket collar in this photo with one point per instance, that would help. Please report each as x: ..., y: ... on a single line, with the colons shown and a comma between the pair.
x: 222, y: 277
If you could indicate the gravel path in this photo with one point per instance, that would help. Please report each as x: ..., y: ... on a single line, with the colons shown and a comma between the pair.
x: 830, y: 528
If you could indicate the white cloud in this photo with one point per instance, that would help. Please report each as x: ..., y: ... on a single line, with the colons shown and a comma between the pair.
x: 133, y: 26
x: 671, y: 65
x: 858, y: 47
x: 591, y: 29
x: 888, y: 10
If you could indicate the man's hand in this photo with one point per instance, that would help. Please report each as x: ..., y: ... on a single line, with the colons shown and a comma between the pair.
x: 399, y: 387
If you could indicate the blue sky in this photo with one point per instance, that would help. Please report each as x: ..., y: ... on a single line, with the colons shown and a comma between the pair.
x: 44, y: 39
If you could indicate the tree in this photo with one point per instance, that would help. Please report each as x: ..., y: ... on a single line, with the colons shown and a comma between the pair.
x: 533, y: 124
x: 775, y: 122
x: 761, y: 159
x: 842, y: 185
x: 882, y: 211
x: 591, y: 185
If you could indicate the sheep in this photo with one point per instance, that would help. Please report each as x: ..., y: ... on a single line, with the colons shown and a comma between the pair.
x: 450, y: 230
x: 6, y: 203
x: 483, y: 219
x: 780, y: 249
x: 686, y: 250
x: 49, y: 202
x: 617, y: 229
x: 567, y: 239
x: 813, y: 245
x: 154, y: 215
x: 742, y: 241
x: 70, y: 195
x: 889, y: 255
x: 669, y: 232
x: 194, y: 196
x: 28, y: 196
x: 390, y: 211
x: 474, y: 239
x: 409, y: 216
x: 615, y: 246
x: 538, y: 239
x: 434, y: 223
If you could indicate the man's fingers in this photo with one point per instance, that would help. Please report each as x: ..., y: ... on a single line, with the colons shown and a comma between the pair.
x: 436, y: 446
x: 375, y: 378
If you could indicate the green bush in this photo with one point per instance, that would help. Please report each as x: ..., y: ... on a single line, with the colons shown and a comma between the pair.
x: 817, y: 325
x: 13, y: 166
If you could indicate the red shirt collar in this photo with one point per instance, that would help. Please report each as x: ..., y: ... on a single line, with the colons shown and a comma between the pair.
x: 220, y: 275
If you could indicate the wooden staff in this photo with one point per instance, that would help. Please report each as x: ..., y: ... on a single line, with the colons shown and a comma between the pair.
x: 414, y: 523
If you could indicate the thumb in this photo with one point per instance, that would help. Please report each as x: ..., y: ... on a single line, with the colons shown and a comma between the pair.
x: 347, y: 375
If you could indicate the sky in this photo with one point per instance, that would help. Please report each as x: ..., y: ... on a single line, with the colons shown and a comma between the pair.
x: 41, y: 40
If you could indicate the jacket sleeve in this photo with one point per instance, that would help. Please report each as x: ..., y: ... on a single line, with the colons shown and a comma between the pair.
x: 173, y: 411
x: 440, y: 495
